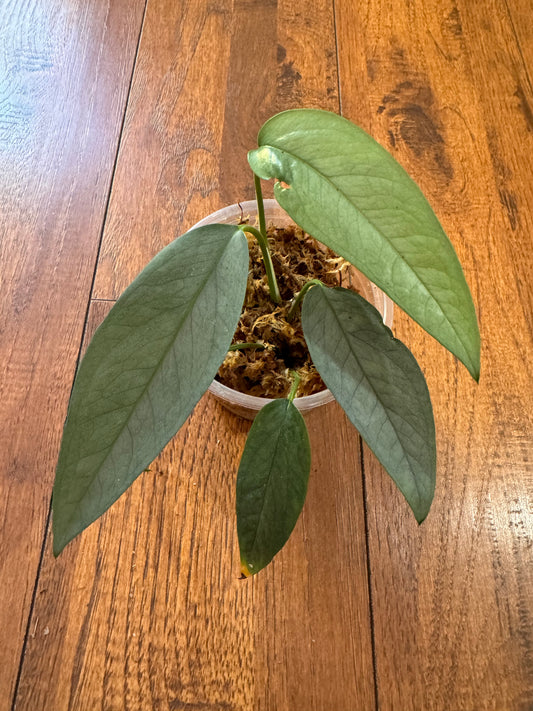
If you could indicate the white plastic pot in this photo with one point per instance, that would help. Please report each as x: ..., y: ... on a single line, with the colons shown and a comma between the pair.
x: 248, y: 406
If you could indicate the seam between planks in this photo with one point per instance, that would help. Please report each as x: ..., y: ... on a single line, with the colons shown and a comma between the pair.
x: 369, y: 577
x: 46, y: 532
x: 114, y: 169
x: 335, y: 33
x: 518, y: 45
x: 32, y: 605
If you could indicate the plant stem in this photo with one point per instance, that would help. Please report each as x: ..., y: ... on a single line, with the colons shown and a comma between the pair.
x: 299, y: 296
x: 244, y: 346
x: 267, y: 259
x: 295, y: 385
x: 260, y: 205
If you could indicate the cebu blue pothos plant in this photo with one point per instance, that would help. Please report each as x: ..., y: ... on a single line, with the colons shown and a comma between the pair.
x: 162, y: 343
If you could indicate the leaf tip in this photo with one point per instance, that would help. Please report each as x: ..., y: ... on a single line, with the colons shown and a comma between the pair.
x: 61, y: 535
x: 57, y: 546
x: 245, y: 569
x: 422, y: 510
x: 473, y: 363
x: 420, y: 518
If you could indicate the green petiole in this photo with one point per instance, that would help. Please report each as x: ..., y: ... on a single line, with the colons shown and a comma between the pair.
x: 295, y: 385
x: 261, y: 236
x: 245, y: 346
x: 267, y: 259
x: 299, y: 296
x: 260, y: 205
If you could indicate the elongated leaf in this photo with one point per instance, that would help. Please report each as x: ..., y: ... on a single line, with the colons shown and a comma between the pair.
x: 378, y: 383
x: 145, y: 369
x: 271, y: 483
x: 346, y: 190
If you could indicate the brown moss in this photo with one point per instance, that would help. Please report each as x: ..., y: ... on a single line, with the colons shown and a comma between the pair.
x: 297, y: 258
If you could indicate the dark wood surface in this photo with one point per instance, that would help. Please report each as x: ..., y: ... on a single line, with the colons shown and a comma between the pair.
x: 123, y: 123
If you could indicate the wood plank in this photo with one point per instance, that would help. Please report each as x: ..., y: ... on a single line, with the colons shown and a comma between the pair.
x: 188, y: 130
x: 146, y: 609
x: 500, y: 67
x: 161, y: 619
x: 435, y: 83
x: 64, y: 75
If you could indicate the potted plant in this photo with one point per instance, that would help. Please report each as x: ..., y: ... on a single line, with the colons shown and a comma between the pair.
x: 164, y: 340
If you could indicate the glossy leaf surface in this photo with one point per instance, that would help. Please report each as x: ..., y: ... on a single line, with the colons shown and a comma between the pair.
x: 271, y: 483
x: 378, y: 383
x: 145, y: 369
x: 346, y: 190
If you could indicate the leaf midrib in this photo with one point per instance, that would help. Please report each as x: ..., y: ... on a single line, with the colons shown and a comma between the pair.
x: 149, y: 382
x: 378, y: 398
x: 267, y: 484
x: 383, y: 236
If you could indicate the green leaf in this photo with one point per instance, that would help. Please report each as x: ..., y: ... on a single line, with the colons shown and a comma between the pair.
x: 271, y: 483
x: 378, y: 383
x: 347, y: 191
x: 145, y: 369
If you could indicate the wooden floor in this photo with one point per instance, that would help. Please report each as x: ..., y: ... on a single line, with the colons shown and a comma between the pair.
x: 122, y: 122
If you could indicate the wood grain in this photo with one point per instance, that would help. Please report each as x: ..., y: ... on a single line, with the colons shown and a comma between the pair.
x: 188, y: 129
x: 64, y: 77
x: 146, y: 609
x: 119, y: 611
x: 452, y: 601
